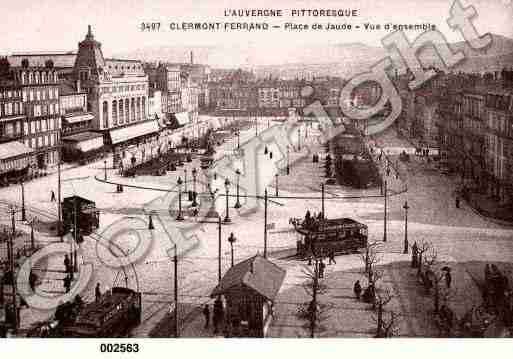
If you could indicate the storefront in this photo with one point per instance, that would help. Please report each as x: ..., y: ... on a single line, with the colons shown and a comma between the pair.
x: 82, y: 147
x: 130, y: 137
x: 16, y: 161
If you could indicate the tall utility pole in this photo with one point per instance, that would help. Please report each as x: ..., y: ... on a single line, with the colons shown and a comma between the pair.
x: 175, y: 259
x: 219, y: 251
x: 59, y: 210
x: 265, y: 223
x: 385, y: 213
x: 322, y: 200
x: 11, y: 265
x: 23, y: 212
x: 406, y: 207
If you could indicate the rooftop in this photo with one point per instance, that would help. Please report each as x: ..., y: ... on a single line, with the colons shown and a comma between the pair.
x: 257, y: 273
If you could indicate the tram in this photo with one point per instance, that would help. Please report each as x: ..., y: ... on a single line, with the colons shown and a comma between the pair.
x: 113, y: 315
x: 320, y: 237
x: 87, y: 216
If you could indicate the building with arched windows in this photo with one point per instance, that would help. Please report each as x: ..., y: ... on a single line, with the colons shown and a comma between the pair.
x: 117, y: 96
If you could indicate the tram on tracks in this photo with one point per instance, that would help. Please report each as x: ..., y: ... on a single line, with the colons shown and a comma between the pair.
x: 83, y: 211
x: 320, y: 237
x: 115, y: 313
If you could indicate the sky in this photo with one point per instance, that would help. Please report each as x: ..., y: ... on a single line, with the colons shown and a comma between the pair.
x: 58, y: 25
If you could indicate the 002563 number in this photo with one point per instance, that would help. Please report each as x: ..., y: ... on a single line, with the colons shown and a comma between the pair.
x: 119, y: 348
x: 150, y: 26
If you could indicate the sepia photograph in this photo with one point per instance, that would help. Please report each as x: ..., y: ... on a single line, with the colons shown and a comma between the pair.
x: 275, y: 169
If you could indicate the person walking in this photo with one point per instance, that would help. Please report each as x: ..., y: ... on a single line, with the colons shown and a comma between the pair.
x: 67, y: 264
x: 322, y: 266
x: 218, y: 314
x: 206, y: 314
x: 52, y: 196
x: 357, y: 289
x: 67, y: 283
x: 332, y: 257
x: 457, y: 202
x: 448, y: 278
x: 97, y: 293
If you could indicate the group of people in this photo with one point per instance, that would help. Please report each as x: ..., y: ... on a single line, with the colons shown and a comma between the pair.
x: 217, y: 317
x: 368, y: 294
x: 496, y: 288
x: 68, y: 279
x: 312, y: 222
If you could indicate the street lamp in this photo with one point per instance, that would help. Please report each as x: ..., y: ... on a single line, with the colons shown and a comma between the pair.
x: 227, y: 218
x: 105, y: 167
x: 288, y: 160
x: 385, y: 213
x: 237, y: 204
x: 23, y: 213
x: 185, y: 178
x: 299, y: 139
x: 179, y: 217
x: 238, y: 138
x: 194, y: 174
x: 232, y: 239
x: 276, y: 177
x: 406, y: 207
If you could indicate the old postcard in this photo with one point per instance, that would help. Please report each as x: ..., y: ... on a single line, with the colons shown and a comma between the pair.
x: 273, y: 169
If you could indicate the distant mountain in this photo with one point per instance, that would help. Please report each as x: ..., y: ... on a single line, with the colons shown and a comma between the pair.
x: 343, y: 59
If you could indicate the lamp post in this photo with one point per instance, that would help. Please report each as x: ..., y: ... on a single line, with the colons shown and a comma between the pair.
x: 194, y: 174
x: 299, y: 139
x: 238, y: 138
x: 406, y: 207
x: 185, y: 178
x: 105, y: 169
x: 227, y: 218
x: 179, y: 217
x: 385, y: 213
x: 23, y: 212
x: 232, y: 239
x: 237, y: 204
x: 288, y: 160
x: 276, y: 177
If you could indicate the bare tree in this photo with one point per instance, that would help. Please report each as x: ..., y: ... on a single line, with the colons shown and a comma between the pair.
x: 370, y: 257
x: 423, y: 248
x: 390, y: 324
x: 313, y: 287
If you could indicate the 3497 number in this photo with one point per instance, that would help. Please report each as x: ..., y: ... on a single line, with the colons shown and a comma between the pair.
x: 150, y: 26
x: 119, y: 348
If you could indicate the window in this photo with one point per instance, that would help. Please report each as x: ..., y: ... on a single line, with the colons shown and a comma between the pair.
x: 105, y: 113
x: 114, y: 113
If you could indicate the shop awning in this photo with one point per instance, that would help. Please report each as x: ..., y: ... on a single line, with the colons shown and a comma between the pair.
x: 78, y: 117
x: 181, y: 118
x: 13, y: 149
x: 136, y: 130
x: 84, y: 141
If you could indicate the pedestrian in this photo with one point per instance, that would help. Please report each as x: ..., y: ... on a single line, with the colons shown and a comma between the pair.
x: 52, y: 196
x: 67, y: 283
x: 332, y: 257
x: 457, y: 202
x: 414, y: 255
x: 206, y: 314
x: 357, y: 289
x: 97, y: 293
x: 218, y: 314
x: 322, y: 266
x: 67, y: 264
x: 448, y: 278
